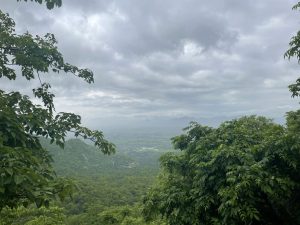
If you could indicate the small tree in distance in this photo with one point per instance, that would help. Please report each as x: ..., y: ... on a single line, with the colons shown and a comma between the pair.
x: 26, y: 174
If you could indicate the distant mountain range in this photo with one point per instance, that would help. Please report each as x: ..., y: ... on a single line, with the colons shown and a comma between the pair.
x: 81, y: 159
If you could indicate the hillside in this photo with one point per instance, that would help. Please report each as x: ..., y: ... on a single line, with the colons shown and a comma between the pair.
x: 80, y: 158
x: 105, y: 181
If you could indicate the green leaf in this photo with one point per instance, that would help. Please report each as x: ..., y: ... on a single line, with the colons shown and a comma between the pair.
x: 18, y: 179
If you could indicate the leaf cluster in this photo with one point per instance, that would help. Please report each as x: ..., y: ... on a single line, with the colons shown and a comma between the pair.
x: 26, y: 173
x: 294, y: 52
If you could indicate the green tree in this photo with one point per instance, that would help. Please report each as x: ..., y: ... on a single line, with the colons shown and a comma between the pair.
x: 26, y: 174
x: 294, y: 51
x: 246, y: 171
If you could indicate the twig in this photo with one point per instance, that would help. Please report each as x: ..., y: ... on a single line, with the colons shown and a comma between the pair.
x: 39, y: 77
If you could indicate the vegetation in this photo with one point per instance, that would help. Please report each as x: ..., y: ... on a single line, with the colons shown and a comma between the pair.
x: 294, y: 51
x: 49, y: 3
x: 107, y: 188
x: 79, y: 159
x: 32, y: 216
x: 25, y: 166
x: 246, y: 171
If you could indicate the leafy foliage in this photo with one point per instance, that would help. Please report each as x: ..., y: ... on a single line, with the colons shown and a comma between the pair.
x: 102, y: 181
x: 294, y: 51
x: 125, y: 215
x: 80, y: 159
x: 32, y: 216
x: 244, y: 172
x: 104, y: 189
x: 26, y: 174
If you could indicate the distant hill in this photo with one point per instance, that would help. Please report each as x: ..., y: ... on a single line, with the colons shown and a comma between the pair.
x: 81, y: 159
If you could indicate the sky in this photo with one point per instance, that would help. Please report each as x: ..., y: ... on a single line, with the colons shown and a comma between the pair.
x: 165, y: 63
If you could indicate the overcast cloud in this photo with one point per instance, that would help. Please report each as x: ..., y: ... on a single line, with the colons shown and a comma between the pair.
x: 168, y: 62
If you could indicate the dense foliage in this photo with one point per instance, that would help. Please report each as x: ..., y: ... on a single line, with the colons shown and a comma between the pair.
x: 109, y: 191
x: 26, y: 174
x: 32, y: 216
x: 246, y: 171
x: 79, y: 159
x: 106, y: 185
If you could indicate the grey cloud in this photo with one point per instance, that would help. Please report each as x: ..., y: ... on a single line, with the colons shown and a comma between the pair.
x: 169, y: 60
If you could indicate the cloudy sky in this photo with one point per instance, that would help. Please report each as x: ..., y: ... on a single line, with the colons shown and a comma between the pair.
x: 168, y: 62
